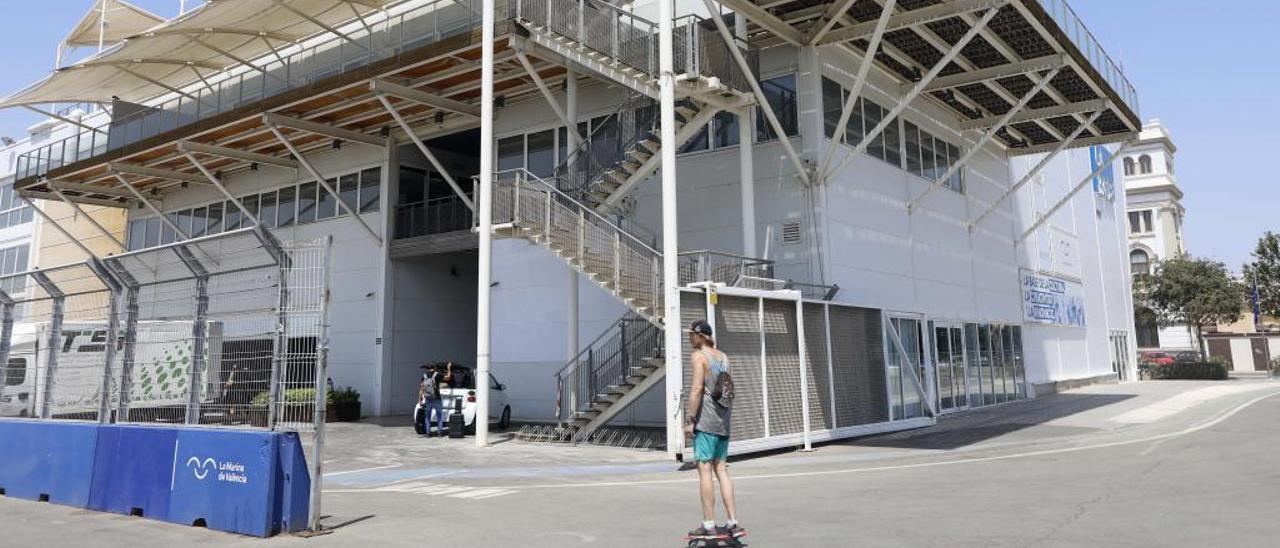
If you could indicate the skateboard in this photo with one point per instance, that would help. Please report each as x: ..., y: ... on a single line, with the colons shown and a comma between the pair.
x: 722, y: 540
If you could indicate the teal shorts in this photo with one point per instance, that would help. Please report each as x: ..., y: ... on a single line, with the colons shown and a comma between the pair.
x: 709, y: 447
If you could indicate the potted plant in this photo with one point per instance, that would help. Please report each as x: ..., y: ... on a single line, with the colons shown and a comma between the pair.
x: 344, y: 405
x: 258, y: 410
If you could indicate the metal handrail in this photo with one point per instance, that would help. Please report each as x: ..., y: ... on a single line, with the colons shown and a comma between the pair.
x: 265, y: 76
x: 527, y: 176
x: 1079, y: 34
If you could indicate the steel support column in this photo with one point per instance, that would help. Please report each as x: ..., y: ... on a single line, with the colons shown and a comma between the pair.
x: 199, y: 332
x: 53, y: 342
x: 485, y: 192
x: 672, y: 334
x: 6, y: 328
x: 573, y: 319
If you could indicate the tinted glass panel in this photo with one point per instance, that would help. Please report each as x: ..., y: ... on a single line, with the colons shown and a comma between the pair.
x: 307, y: 203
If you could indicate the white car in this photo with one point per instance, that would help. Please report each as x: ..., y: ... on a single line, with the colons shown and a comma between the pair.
x: 463, y: 392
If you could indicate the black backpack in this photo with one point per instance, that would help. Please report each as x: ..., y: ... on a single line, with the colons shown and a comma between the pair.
x: 722, y: 393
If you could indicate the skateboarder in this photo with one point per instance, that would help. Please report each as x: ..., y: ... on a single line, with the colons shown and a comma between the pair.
x: 708, y: 415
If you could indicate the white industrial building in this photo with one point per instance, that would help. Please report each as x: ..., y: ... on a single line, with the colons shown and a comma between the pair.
x: 938, y: 230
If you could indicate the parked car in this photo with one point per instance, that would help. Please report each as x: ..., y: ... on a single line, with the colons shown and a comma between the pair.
x: 462, y: 391
x: 1186, y: 356
x: 1157, y: 358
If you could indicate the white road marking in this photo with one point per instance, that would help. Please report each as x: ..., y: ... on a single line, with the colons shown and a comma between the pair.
x: 1189, y: 430
x: 434, y: 489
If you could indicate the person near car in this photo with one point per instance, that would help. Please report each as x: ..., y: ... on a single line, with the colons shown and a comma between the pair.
x: 708, y: 424
x: 429, y: 395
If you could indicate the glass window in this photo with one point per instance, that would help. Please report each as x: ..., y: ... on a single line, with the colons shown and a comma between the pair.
x: 912, y: 140
x: 780, y: 92
x: 511, y: 153
x: 872, y: 115
x: 604, y: 139
x: 232, y: 220
x: 307, y: 203
x: 349, y: 191
x: 250, y: 203
x: 27, y: 213
x: 267, y: 209
x: 167, y: 234
x: 855, y: 128
x: 153, y: 231
x: 541, y: 153
x: 15, y: 373
x: 326, y: 204
x: 697, y: 142
x: 1139, y: 263
x: 833, y: 97
x: 725, y: 130
x: 184, y: 221
x: 370, y: 189
x: 286, y: 211
x: 956, y: 181
x: 137, y: 234
x: 892, y: 143
x: 215, y: 218
x: 199, y: 221
x: 928, y: 162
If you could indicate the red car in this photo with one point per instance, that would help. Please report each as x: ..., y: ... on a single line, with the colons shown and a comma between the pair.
x: 1157, y: 358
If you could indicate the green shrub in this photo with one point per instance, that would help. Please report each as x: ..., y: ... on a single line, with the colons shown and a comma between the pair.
x: 299, y: 396
x: 344, y: 395
x: 1209, y: 371
x: 1275, y: 367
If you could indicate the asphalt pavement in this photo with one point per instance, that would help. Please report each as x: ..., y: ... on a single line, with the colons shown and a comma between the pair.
x: 1172, y: 463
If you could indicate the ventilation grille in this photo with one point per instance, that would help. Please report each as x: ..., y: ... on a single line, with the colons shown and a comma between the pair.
x: 791, y: 233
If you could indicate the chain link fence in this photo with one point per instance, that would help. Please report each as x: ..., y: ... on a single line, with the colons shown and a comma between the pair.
x: 225, y: 330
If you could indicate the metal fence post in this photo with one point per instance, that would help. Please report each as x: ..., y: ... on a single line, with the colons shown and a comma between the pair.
x: 6, y: 332
x: 126, y: 361
x: 113, y: 338
x: 322, y: 365
x: 279, y: 346
x: 53, y: 346
x: 199, y: 330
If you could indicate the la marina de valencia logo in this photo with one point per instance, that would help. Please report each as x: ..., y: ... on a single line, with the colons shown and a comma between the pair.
x: 224, y: 471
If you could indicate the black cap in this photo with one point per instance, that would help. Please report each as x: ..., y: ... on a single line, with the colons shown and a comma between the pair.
x: 701, y: 327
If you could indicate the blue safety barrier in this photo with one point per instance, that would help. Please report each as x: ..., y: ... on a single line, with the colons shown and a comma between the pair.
x: 240, y: 481
x: 42, y: 463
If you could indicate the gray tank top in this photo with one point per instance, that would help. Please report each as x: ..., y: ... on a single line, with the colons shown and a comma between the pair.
x: 712, y: 417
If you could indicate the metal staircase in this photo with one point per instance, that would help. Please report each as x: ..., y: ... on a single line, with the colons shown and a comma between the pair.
x: 619, y: 46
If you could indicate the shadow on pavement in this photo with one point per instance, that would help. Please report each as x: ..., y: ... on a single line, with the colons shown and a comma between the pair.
x: 971, y: 427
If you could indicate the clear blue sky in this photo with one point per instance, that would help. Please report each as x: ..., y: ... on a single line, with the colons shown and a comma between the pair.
x: 1207, y: 69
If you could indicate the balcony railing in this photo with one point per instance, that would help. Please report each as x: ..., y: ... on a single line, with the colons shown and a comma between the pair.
x: 434, y: 216
x: 1074, y: 28
x: 269, y: 76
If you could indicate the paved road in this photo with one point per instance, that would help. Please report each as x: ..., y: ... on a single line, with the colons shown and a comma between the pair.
x: 1151, y: 464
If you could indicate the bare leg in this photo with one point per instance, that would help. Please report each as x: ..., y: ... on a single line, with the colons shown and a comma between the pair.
x: 707, y: 490
x: 726, y: 489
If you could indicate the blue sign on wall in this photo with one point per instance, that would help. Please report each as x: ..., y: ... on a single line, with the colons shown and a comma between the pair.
x: 1104, y: 184
x: 1052, y: 300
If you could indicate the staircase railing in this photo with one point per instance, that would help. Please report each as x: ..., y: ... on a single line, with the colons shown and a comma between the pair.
x: 721, y: 267
x: 602, y: 249
x: 605, y: 362
x: 616, y: 134
x: 632, y: 40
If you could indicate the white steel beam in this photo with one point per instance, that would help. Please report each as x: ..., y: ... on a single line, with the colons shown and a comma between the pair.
x: 322, y: 181
x: 829, y: 19
x: 1086, y: 142
x: 761, y: 99
x: 911, y: 18
x: 274, y: 119
x: 317, y: 23
x: 1038, y: 64
x: 859, y: 81
x: 982, y: 142
x: 59, y: 186
x: 160, y: 214
x: 235, y: 154
x: 915, y: 90
x: 766, y: 20
x: 53, y: 196
x: 223, y: 189
x: 1040, y: 114
x: 93, y: 222
x: 546, y: 94
x: 74, y: 241
x: 155, y: 172
x: 422, y: 147
x: 1065, y: 144
x: 1043, y: 218
x: 418, y: 96
x: 61, y: 118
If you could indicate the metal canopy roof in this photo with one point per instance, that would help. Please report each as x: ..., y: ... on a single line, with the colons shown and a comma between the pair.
x: 216, y: 36
x: 123, y: 20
